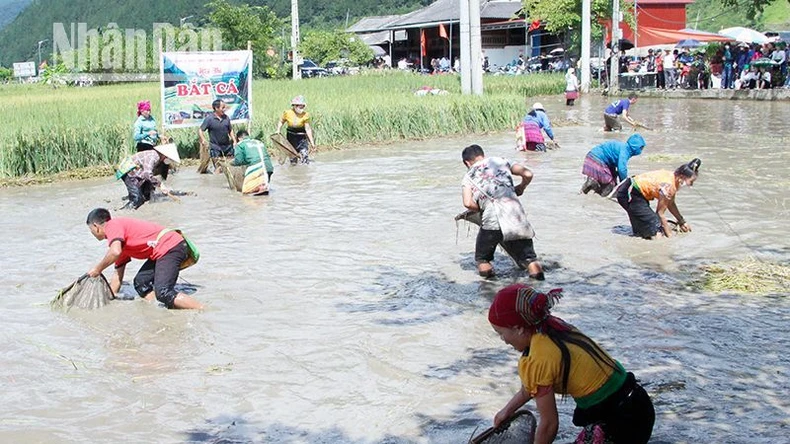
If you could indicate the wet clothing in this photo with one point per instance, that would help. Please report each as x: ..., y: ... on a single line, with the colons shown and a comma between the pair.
x: 645, y: 223
x: 541, y: 119
x: 612, y: 122
x: 491, y: 179
x: 219, y: 128
x: 137, y: 173
x: 521, y: 250
x: 146, y: 240
x: 295, y: 131
x: 529, y: 137
x: 607, y: 163
x: 160, y: 276
x: 608, y: 397
x: 571, y: 89
x: 259, y: 171
x: 142, y: 127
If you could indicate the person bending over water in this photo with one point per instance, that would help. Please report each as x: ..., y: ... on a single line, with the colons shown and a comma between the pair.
x: 611, y: 115
x: 558, y: 358
x: 488, y: 188
x: 607, y: 164
x: 529, y: 135
x: 166, y: 252
x: 139, y: 172
x: 635, y: 193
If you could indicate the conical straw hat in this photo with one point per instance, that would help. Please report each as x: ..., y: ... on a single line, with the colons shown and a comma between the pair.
x: 170, y: 151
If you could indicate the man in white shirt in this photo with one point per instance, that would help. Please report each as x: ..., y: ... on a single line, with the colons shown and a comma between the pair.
x: 669, y: 69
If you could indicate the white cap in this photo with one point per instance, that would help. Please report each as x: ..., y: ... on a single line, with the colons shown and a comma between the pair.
x: 538, y: 105
x: 170, y: 151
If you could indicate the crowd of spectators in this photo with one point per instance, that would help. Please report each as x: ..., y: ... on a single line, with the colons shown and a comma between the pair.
x: 725, y: 66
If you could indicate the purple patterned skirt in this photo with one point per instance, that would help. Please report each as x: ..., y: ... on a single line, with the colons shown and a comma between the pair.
x: 597, y: 171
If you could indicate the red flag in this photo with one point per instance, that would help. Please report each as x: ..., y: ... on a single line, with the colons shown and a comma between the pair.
x: 423, y: 43
x: 443, y: 32
x: 534, y: 25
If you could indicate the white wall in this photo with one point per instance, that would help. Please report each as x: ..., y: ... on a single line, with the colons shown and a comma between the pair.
x: 503, y: 56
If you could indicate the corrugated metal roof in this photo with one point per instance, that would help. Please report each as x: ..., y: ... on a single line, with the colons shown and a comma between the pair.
x: 500, y: 9
x: 446, y: 11
x: 375, y: 38
x: 374, y: 23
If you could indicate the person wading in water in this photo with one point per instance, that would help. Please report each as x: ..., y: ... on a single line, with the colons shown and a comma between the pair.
x: 558, y: 358
x: 635, y: 193
x: 488, y: 187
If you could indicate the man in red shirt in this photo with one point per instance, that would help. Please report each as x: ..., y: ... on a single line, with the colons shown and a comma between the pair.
x: 164, y: 250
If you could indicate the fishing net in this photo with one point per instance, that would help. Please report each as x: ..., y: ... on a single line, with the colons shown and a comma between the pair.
x: 474, y: 217
x: 234, y: 175
x: 205, y: 159
x: 518, y: 429
x: 284, y: 145
x: 86, y: 293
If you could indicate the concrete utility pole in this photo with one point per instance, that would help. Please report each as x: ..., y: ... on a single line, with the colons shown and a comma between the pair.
x: 466, y: 48
x: 471, y: 47
x: 295, y: 38
x: 614, y: 74
x: 476, y: 43
x: 585, y: 62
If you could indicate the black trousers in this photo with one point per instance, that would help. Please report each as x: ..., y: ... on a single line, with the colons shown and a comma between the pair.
x: 138, y: 195
x: 645, y: 223
x: 144, y: 147
x: 627, y: 416
x: 160, y: 276
x: 521, y: 250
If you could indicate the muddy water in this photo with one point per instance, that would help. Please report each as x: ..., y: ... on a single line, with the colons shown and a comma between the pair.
x: 344, y: 308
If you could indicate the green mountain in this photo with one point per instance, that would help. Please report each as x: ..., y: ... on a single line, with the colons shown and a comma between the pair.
x: 19, y: 39
x: 9, y: 9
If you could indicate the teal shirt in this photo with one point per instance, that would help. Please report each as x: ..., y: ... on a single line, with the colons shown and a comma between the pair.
x: 247, y: 154
x: 141, y: 128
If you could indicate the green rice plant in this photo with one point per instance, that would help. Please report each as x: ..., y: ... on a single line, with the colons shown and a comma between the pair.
x: 54, y: 130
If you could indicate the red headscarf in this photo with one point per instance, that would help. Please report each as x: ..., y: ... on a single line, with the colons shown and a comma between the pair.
x: 144, y: 105
x: 519, y: 305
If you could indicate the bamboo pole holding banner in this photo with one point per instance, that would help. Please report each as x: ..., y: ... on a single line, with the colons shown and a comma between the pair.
x: 249, y: 92
x: 162, y: 84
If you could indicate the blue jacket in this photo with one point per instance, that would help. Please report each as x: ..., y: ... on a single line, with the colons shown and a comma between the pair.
x: 141, y: 128
x: 542, y: 120
x: 615, y: 154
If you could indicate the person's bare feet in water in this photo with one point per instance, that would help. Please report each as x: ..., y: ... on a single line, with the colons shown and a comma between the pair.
x: 535, y: 271
x: 485, y: 269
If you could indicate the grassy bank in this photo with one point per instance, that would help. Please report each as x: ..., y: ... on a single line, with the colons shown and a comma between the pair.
x: 50, y: 131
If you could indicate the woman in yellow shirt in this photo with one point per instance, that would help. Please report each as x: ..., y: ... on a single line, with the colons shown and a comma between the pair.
x: 298, y: 130
x: 558, y: 358
x: 635, y: 193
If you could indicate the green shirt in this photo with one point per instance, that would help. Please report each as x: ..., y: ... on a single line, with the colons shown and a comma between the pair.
x: 247, y: 154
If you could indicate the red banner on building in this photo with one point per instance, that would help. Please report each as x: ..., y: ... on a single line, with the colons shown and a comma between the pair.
x: 423, y: 43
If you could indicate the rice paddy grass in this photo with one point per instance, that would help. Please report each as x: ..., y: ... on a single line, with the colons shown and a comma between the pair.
x: 49, y: 131
x: 749, y: 276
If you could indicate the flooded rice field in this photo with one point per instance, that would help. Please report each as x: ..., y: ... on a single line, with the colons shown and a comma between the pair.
x: 345, y: 306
